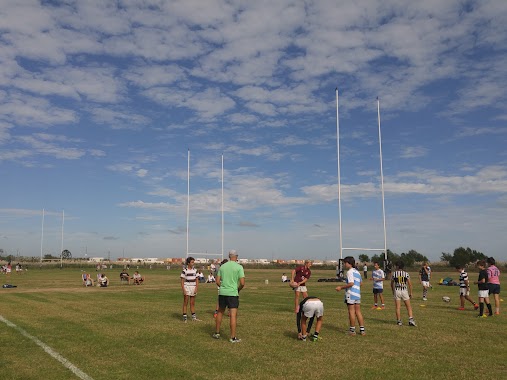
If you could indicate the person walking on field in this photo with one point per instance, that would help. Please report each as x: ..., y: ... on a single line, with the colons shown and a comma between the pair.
x: 298, y: 277
x: 231, y: 279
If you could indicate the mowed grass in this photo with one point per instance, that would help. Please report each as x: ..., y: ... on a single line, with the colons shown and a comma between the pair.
x: 136, y: 332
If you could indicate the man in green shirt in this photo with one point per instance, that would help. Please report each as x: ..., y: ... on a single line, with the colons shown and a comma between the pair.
x: 230, y: 279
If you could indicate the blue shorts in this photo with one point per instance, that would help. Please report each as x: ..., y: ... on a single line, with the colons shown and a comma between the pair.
x: 378, y: 291
x: 494, y: 288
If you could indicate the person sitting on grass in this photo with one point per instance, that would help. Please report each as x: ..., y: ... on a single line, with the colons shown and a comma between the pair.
x: 124, y: 276
x: 211, y: 278
x: 104, y: 281
x: 310, y: 307
x: 138, y: 279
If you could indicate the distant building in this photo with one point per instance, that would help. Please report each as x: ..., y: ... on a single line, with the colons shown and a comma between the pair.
x: 96, y: 259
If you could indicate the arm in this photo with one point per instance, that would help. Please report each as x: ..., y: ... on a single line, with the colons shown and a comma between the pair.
x: 217, y: 280
x: 392, y: 285
x: 409, y: 287
x: 346, y: 286
x: 241, y: 284
x: 182, y: 284
x: 292, y: 275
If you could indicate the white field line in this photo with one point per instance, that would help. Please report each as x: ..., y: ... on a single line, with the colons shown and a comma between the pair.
x: 76, y: 371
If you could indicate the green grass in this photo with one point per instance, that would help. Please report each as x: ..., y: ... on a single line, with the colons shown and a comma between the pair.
x: 135, y: 332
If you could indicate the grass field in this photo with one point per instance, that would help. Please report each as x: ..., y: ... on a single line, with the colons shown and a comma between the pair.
x: 136, y: 332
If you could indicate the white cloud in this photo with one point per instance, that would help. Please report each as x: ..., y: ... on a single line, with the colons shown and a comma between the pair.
x: 413, y: 152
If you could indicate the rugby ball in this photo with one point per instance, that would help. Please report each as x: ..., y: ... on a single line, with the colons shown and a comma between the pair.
x: 446, y: 299
x: 293, y: 284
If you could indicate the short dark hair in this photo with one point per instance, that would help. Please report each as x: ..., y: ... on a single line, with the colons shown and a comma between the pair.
x: 459, y: 266
x: 481, y: 263
x: 376, y: 262
x: 189, y: 259
x: 350, y: 260
x: 400, y: 264
x: 491, y: 261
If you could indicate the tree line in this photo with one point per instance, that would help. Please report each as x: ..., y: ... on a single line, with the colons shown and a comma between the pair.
x: 460, y: 256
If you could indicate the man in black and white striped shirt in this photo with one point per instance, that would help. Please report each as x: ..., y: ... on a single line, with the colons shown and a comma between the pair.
x: 464, y: 288
x: 402, y: 290
x: 189, y: 286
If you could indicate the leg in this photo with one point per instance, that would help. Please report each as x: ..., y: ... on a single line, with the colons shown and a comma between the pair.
x: 359, y: 315
x: 318, y: 325
x: 381, y: 299
x: 352, y: 316
x: 462, y: 301
x: 233, y: 314
x: 218, y: 321
x: 375, y: 297
x: 497, y: 303
x: 185, y: 302
x: 409, y: 308
x: 296, y: 301
x: 398, y: 309
x: 303, y: 325
x: 192, y: 305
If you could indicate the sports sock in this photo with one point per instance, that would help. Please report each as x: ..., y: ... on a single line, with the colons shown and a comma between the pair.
x: 352, y: 329
x: 489, y: 309
x: 425, y: 293
x: 481, y: 308
x: 361, y: 328
x: 315, y: 334
x: 375, y: 305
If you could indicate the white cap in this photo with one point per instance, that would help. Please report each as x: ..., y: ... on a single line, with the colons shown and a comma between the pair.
x: 232, y: 253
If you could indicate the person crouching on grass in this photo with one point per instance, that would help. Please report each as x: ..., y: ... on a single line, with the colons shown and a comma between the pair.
x: 482, y: 284
x: 189, y: 286
x: 353, y: 296
x: 310, y: 307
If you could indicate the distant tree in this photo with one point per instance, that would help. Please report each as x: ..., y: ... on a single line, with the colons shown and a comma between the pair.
x: 391, y: 256
x: 364, y: 258
x: 463, y: 256
x: 66, y: 254
x: 50, y: 257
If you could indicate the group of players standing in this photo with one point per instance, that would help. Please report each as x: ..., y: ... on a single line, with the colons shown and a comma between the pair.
x: 312, y: 307
x: 231, y: 279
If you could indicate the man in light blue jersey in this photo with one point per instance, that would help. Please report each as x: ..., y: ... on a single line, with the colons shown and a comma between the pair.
x: 378, y: 278
x: 353, y: 296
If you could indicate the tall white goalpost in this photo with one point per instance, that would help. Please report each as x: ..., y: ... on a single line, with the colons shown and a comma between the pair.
x: 339, y: 187
x: 206, y: 254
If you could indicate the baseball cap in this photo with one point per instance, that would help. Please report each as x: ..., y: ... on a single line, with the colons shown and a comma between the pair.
x: 232, y: 253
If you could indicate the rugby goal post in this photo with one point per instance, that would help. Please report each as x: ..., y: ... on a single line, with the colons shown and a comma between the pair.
x: 205, y: 254
x: 384, y: 249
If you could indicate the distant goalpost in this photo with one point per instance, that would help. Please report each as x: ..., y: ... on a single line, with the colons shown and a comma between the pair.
x: 206, y: 254
x: 381, y: 186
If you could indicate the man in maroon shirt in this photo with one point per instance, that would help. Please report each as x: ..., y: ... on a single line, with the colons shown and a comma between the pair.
x: 298, y: 279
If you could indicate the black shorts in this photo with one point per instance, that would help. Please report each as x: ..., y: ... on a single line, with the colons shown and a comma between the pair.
x: 378, y: 291
x: 494, y: 288
x: 232, y: 302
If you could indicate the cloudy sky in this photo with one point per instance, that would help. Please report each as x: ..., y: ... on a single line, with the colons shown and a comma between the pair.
x: 101, y: 100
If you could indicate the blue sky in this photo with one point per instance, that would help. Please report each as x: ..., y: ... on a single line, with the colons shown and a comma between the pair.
x: 100, y: 100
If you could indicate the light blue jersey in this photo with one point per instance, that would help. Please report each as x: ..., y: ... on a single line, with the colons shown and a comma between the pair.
x: 378, y: 275
x: 353, y: 293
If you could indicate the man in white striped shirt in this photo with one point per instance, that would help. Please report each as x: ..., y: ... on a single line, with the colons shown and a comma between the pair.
x: 402, y: 290
x: 189, y: 286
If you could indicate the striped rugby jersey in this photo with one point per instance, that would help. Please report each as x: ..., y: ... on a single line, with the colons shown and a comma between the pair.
x: 377, y: 275
x: 400, y: 278
x: 463, y: 276
x: 189, y: 275
x: 354, y: 292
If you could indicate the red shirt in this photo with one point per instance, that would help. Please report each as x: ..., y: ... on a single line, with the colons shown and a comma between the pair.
x: 302, y: 274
